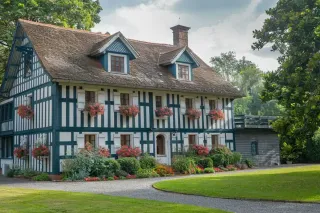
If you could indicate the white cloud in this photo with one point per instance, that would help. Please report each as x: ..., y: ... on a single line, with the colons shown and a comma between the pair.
x: 151, y: 22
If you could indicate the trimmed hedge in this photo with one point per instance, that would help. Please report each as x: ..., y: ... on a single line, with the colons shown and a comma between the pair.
x: 129, y: 165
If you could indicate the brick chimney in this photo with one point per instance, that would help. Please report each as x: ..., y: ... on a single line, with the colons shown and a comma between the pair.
x: 180, y: 35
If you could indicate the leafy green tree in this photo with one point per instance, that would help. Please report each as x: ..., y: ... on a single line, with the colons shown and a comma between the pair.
x: 80, y: 14
x: 293, y: 29
x: 246, y: 76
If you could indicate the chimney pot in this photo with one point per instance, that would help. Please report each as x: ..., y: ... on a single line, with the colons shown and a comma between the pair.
x: 180, y: 35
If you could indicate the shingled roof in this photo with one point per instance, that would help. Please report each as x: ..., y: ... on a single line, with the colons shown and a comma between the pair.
x: 65, y: 55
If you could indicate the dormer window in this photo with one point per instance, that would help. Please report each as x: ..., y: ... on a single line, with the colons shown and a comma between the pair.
x: 117, y: 63
x: 183, y: 72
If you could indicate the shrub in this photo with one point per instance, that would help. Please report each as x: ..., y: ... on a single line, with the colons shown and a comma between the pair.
x: 249, y: 163
x: 147, y: 162
x: 313, y: 148
x: 199, y: 170
x: 208, y: 170
x: 121, y: 173
x: 111, y: 165
x: 126, y: 151
x: 14, y: 172
x: 183, y: 165
x: 42, y: 177
x: 164, y: 170
x: 205, y: 162
x: 235, y: 158
x: 110, y: 178
x: 218, y: 159
x: 231, y: 168
x: 146, y: 173
x: 29, y: 173
x: 130, y: 165
x: 200, y: 150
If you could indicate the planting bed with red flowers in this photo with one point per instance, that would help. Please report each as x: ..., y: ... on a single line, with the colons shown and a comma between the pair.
x: 126, y: 151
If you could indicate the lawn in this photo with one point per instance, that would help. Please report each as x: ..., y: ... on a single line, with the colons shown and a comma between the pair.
x: 290, y: 184
x: 34, y: 201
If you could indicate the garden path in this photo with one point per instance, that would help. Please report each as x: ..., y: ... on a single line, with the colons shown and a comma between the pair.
x: 142, y: 188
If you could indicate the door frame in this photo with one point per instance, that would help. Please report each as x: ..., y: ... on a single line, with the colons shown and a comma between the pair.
x: 167, y: 146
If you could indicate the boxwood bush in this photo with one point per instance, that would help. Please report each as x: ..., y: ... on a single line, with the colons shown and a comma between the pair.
x: 205, y: 162
x: 130, y: 165
x: 183, y: 165
x: 148, y: 162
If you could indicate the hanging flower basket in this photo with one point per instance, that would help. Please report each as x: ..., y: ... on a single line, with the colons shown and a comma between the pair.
x: 25, y: 112
x: 163, y: 112
x: 126, y: 151
x: 129, y: 110
x: 40, y: 151
x: 20, y: 152
x: 193, y: 114
x: 95, y: 109
x: 216, y: 114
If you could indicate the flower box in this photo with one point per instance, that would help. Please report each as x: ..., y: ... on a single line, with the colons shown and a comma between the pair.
x: 132, y: 111
x: 40, y: 151
x: 216, y: 114
x: 163, y: 112
x: 20, y: 152
x: 193, y: 114
x: 95, y: 109
x: 25, y: 111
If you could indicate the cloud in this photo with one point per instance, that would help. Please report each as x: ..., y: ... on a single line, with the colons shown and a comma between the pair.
x: 209, y: 35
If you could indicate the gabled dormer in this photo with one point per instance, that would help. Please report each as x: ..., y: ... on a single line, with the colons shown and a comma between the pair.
x: 180, y: 63
x: 114, y: 53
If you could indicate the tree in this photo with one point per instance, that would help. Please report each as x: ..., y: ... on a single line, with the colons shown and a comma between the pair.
x: 293, y: 29
x: 80, y: 14
x: 246, y: 76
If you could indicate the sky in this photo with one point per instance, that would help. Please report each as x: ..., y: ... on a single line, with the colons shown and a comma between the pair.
x: 216, y: 25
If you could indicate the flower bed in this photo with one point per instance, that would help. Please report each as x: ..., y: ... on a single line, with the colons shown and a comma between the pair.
x: 25, y: 111
x: 200, y: 150
x: 40, y: 151
x: 193, y: 114
x: 132, y: 111
x: 20, y: 152
x: 95, y: 109
x: 163, y: 112
x: 216, y: 114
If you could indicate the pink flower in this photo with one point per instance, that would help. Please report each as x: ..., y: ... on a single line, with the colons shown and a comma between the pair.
x: 216, y: 114
x: 126, y: 151
x: 25, y: 111
x: 163, y: 111
x: 129, y: 110
x: 95, y: 109
x: 193, y: 114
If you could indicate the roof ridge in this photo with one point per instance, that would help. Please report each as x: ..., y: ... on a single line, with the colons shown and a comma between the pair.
x: 173, y: 50
x: 63, y: 28
x: 148, y: 42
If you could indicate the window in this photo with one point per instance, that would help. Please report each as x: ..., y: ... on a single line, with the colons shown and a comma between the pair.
x: 212, y: 104
x: 117, y: 63
x: 254, y: 148
x: 6, y: 147
x: 158, y: 102
x: 125, y: 140
x: 160, y: 145
x: 90, y: 97
x: 189, y: 103
x: 183, y: 71
x: 6, y: 112
x: 214, y: 141
x: 27, y: 64
x: 192, y: 140
x: 124, y: 99
x: 90, y: 139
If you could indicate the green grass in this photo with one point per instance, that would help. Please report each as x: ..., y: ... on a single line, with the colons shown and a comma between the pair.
x: 290, y: 184
x: 35, y: 201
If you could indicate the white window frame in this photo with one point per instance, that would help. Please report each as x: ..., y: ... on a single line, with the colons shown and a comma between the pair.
x: 124, y: 61
x: 164, y: 102
x: 177, y: 71
x: 130, y: 97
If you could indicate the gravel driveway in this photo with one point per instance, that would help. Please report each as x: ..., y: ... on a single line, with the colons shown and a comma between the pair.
x: 142, y: 188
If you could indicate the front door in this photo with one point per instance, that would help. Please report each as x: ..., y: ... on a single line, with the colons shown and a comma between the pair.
x: 162, y: 150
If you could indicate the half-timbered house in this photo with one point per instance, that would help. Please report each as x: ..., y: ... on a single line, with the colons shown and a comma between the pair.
x: 56, y: 72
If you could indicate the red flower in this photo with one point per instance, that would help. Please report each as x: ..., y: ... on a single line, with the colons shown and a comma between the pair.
x: 216, y: 114
x: 20, y: 152
x: 104, y: 152
x: 129, y: 110
x: 163, y: 111
x: 95, y: 109
x: 201, y: 150
x: 131, y: 177
x: 25, y: 111
x: 40, y: 151
x: 193, y: 114
x: 126, y: 151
